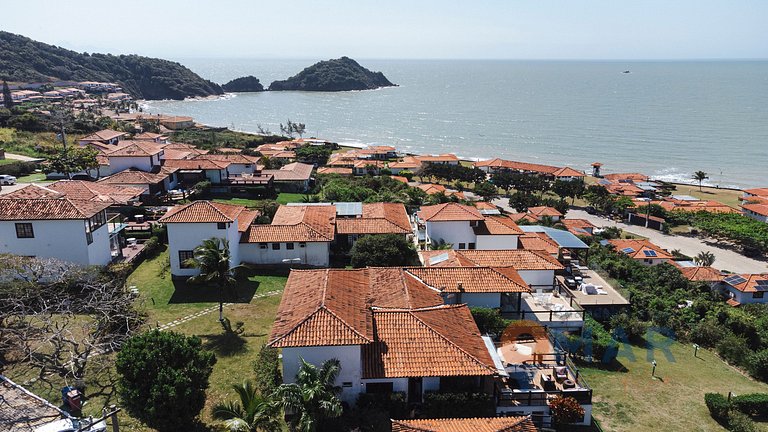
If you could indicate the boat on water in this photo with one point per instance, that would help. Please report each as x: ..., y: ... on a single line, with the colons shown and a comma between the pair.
x: 626, y: 71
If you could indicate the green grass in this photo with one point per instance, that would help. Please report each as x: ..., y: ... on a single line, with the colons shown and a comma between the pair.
x: 251, y: 203
x: 285, y: 198
x: 36, y: 178
x: 628, y: 399
x: 7, y: 161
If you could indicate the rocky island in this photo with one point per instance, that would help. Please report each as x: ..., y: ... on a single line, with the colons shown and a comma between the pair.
x: 243, y: 84
x: 27, y: 60
x: 343, y: 74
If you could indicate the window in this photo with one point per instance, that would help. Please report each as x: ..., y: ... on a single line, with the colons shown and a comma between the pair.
x: 185, y: 255
x: 221, y: 225
x: 275, y: 246
x: 462, y: 245
x: 262, y: 245
x: 302, y: 244
x: 471, y: 246
x: 89, y: 237
x: 473, y: 223
x: 24, y: 230
x: 379, y: 388
x: 289, y: 246
x: 758, y: 294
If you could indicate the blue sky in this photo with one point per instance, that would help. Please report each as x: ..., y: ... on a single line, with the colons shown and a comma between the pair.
x: 447, y: 29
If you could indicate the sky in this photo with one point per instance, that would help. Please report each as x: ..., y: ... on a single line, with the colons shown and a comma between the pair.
x: 400, y: 29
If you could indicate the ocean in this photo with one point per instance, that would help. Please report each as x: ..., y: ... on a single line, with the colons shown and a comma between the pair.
x: 664, y: 118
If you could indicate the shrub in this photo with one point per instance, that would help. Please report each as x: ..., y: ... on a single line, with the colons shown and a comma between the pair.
x: 740, y: 422
x: 489, y: 321
x: 395, y: 403
x: 388, y: 250
x: 566, y: 410
x: 151, y: 246
x: 707, y: 333
x: 163, y: 377
x: 734, y: 349
x: 718, y: 407
x: 457, y: 405
x: 755, y: 404
x: 626, y: 326
x: 407, y: 174
x: 18, y: 169
x: 757, y: 364
x: 267, y: 368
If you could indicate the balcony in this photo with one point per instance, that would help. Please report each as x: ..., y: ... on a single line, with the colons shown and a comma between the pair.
x: 115, y: 223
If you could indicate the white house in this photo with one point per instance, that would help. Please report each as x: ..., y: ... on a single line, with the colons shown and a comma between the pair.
x: 105, y: 137
x: 56, y: 227
x: 746, y: 288
x: 152, y: 183
x: 142, y: 155
x: 466, y: 228
x: 755, y: 204
x: 297, y: 235
x: 642, y: 251
x: 190, y: 224
x: 368, y: 319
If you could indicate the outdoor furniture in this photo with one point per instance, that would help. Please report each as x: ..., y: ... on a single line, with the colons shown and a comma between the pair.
x: 561, y: 373
x: 547, y: 383
x: 569, y: 384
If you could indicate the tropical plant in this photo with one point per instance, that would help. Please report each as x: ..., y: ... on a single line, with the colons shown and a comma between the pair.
x: 390, y: 250
x: 566, y: 410
x: 705, y: 258
x: 700, y: 176
x: 440, y: 244
x: 253, y: 412
x: 314, y: 396
x: 213, y: 260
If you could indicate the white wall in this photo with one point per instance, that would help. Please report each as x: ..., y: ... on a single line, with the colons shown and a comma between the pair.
x: 743, y: 297
x: 496, y: 242
x: 348, y: 355
x: 98, y: 251
x: 62, y: 239
x: 754, y: 215
x: 118, y: 163
x: 187, y: 236
x: 488, y: 300
x: 237, y: 169
x: 538, y: 277
x: 314, y: 254
x: 451, y: 232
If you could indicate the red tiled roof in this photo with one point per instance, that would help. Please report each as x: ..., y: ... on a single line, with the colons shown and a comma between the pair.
x: 578, y: 226
x: 752, y: 282
x: 204, y: 212
x: 134, y: 149
x: 517, y: 166
x: 491, y: 424
x: 757, y: 192
x: 48, y: 209
x: 196, y: 164
x: 447, y: 157
x: 733, y: 302
x: 230, y: 158
x: 136, y: 177
x: 520, y: 259
x: 399, y: 178
x: 32, y: 191
x: 472, y: 279
x: 83, y: 190
x: 639, y: 247
x: 408, y: 162
x: 450, y: 212
x: 539, y: 242
x: 626, y: 176
x: 518, y: 217
x: 295, y: 171
x: 761, y: 209
x: 332, y: 170
x: 149, y: 136
x: 431, y: 189
x: 296, y: 224
x: 103, y: 135
x: 568, y: 172
x: 377, y: 218
x: 703, y: 274
x: 497, y: 225
x: 544, y: 211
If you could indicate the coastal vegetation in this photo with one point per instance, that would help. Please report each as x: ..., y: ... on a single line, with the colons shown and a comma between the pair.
x: 26, y: 60
x: 342, y: 74
x: 383, y: 250
x: 244, y: 84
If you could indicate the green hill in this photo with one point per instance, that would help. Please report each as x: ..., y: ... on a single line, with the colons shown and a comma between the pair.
x: 341, y: 74
x: 25, y: 60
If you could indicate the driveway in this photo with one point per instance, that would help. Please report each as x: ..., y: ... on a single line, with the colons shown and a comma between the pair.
x: 725, y: 259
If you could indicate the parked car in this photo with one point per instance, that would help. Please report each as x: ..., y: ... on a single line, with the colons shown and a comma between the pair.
x: 84, y: 177
x: 7, y: 179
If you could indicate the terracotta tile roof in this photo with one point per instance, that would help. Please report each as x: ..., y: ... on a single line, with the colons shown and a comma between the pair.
x: 447, y: 157
x: 472, y: 279
x: 196, y: 164
x: 751, y: 282
x: 240, y: 159
x: 639, y: 177
x: 485, y: 205
x: 568, y: 172
x: 205, y: 212
x: 450, y: 212
x: 544, y: 211
x: 246, y: 218
x: 32, y: 191
x: 490, y: 424
x: 497, y: 225
x: 48, y: 209
x: 757, y: 191
x: 175, y: 154
x: 539, y: 242
x: 408, y: 162
x: 439, y: 341
x: 90, y: 191
x: 444, y: 258
x: 639, y: 248
x: 518, y: 217
x: 761, y: 209
x: 135, y: 177
x: 703, y: 274
x: 149, y: 136
x: 399, y: 178
x: 377, y: 218
x: 296, y: 224
x: 499, y: 163
x: 365, y: 163
x: 733, y: 302
x: 134, y: 149
x: 431, y: 189
x: 625, y: 189
x: 690, y: 206
x: 103, y: 135
x: 295, y: 171
x: 578, y: 223
x: 520, y: 259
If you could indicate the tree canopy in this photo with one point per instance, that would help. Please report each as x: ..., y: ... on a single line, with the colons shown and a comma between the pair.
x: 388, y: 250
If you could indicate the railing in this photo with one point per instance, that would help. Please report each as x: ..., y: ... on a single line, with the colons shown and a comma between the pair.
x: 116, y: 223
x: 542, y: 397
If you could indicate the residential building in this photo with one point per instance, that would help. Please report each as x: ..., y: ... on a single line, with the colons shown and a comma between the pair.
x: 491, y: 424
x: 128, y: 154
x: 433, y: 189
x: 540, y: 212
x: 746, y: 288
x: 466, y: 228
x: 354, y: 220
x: 154, y: 137
x: 57, y: 227
x: 408, y: 163
x: 81, y: 191
x: 177, y: 122
x: 707, y: 274
x: 557, y: 173
x: 298, y: 235
x: 642, y: 251
x: 367, y: 166
x: 294, y: 177
x: 104, y: 137
x: 335, y: 170
x: 579, y: 227
x: 754, y: 204
x: 445, y: 159
x: 190, y: 224
x: 152, y: 183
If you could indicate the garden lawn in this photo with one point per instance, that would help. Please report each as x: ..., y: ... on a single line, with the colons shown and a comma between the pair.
x: 631, y: 400
x: 251, y: 203
x: 285, y: 198
x: 32, y: 178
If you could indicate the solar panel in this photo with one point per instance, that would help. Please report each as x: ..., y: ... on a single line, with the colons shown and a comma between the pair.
x: 628, y: 250
x: 735, y: 280
x: 438, y: 258
x: 762, y: 283
x: 650, y: 253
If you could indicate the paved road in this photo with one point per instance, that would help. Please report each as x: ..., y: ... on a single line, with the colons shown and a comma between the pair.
x: 21, y: 157
x: 725, y: 259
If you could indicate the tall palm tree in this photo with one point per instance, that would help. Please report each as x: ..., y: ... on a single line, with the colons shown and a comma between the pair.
x: 252, y: 413
x: 313, y: 397
x: 212, y: 258
x: 700, y: 176
x: 705, y: 258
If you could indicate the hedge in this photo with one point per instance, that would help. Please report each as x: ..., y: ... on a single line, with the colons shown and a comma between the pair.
x: 18, y: 169
x: 754, y: 404
x: 718, y: 407
x: 395, y: 403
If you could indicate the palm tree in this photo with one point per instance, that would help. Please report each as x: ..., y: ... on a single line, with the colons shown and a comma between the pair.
x: 212, y: 258
x: 700, y: 176
x: 252, y: 413
x: 705, y: 258
x: 313, y: 397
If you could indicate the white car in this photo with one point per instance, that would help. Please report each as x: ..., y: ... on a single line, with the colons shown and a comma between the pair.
x: 7, y: 179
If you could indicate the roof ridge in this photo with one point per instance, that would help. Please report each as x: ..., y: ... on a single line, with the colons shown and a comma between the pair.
x: 346, y: 324
x: 408, y: 271
x: 221, y: 213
